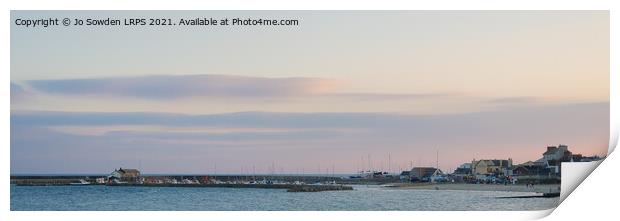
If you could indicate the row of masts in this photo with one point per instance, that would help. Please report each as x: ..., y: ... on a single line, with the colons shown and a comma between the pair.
x: 366, y: 165
x: 370, y: 166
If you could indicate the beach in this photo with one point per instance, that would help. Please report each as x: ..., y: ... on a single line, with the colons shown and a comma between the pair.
x: 542, y: 188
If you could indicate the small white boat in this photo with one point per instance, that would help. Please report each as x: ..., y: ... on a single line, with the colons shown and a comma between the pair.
x: 81, y: 182
x: 115, y: 181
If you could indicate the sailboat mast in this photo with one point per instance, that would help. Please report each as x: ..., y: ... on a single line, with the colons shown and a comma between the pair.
x: 437, y: 160
x: 389, y: 163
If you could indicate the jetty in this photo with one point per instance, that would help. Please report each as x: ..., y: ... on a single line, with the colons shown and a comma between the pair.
x: 288, y: 187
x: 290, y: 183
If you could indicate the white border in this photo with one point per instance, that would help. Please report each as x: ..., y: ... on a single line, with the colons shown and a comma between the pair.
x: 286, y: 5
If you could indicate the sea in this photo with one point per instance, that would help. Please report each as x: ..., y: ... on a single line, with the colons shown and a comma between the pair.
x: 362, y: 198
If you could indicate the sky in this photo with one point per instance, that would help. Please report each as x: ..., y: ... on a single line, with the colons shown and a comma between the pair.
x: 341, y: 92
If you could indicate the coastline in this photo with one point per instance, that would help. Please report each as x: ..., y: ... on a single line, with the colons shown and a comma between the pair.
x: 541, y: 188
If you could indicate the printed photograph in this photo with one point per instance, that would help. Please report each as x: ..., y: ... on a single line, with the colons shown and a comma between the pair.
x: 303, y: 110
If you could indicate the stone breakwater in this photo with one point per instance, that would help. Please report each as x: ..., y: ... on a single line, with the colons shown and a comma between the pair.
x: 289, y: 187
x: 316, y: 188
x: 60, y: 180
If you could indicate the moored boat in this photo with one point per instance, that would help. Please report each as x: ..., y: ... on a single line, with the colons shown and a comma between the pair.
x: 81, y: 182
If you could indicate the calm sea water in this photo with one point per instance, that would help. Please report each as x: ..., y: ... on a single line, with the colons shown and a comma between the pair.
x: 179, y: 198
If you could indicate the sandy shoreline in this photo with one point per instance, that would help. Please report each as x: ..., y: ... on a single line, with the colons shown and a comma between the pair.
x: 542, y: 188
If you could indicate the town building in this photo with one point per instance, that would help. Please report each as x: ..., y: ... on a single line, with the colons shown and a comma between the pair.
x: 555, y: 155
x: 581, y: 158
x: 463, y: 169
x: 531, y: 171
x: 462, y: 173
x: 124, y: 175
x: 543, y: 170
x: 423, y: 173
x: 405, y: 175
x: 559, y: 153
x: 493, y: 167
x: 548, y: 168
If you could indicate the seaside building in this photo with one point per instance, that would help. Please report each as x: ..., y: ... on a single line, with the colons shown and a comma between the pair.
x: 423, y: 173
x: 462, y: 172
x: 534, y: 172
x: 125, y: 175
x: 531, y: 171
x: 559, y: 153
x: 548, y: 168
x: 554, y: 156
x: 463, y: 169
x: 405, y: 175
x: 492, y: 167
x: 543, y: 170
x: 581, y: 158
